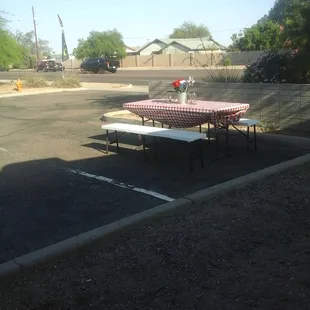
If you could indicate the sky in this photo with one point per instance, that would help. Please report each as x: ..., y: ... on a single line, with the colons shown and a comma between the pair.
x: 137, y: 20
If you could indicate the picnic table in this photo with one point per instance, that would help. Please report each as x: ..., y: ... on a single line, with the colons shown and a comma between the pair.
x: 189, y: 115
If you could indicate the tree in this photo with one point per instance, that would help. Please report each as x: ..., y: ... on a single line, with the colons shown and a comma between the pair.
x: 296, y: 26
x: 27, y: 40
x: 190, y: 30
x: 280, y: 10
x: 10, y: 50
x: 297, y: 31
x: 98, y: 44
x: 265, y: 35
x: 3, y: 20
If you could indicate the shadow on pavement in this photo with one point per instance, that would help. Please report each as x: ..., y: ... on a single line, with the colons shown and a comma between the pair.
x: 44, y: 202
x: 111, y: 101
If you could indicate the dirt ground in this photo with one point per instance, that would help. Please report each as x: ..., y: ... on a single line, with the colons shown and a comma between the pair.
x: 247, y: 249
x: 7, y: 88
x: 11, y: 88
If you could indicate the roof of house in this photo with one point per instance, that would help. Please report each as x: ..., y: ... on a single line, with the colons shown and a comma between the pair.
x: 191, y: 43
x: 131, y: 48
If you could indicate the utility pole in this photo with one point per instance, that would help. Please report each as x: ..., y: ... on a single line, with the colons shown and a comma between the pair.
x: 35, y: 35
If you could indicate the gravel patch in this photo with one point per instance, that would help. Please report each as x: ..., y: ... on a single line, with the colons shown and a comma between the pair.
x: 248, y: 249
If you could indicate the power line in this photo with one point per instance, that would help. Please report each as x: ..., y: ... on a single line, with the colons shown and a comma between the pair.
x: 167, y: 35
x: 35, y: 35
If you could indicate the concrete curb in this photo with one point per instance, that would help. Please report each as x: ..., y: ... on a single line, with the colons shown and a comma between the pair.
x: 74, y: 243
x: 126, y: 86
x: 42, y: 92
x: 208, y: 193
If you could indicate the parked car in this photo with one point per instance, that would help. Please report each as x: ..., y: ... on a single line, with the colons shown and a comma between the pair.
x: 100, y: 65
x: 60, y: 66
x: 46, y: 65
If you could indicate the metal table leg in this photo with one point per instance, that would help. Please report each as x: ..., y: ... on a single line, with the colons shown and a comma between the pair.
x: 107, y: 141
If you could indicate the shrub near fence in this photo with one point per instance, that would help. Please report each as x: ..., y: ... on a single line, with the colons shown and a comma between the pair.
x: 284, y: 106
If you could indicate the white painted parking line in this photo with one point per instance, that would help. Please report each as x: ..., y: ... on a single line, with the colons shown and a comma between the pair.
x: 122, y: 185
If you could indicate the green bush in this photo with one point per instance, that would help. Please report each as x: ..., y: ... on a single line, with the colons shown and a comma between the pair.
x: 68, y: 81
x: 285, y: 66
x: 227, y: 62
x: 35, y: 81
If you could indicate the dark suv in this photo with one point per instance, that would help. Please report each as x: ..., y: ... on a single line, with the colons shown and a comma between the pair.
x: 100, y: 64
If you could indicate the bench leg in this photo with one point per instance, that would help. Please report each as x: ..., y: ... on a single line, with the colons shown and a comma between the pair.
x: 216, y: 144
x: 209, y: 134
x: 190, y: 158
x: 116, y: 139
x: 143, y: 142
x: 255, y: 143
x: 155, y: 148
x: 201, y: 154
x: 107, y: 141
x: 247, y: 138
x: 227, y: 142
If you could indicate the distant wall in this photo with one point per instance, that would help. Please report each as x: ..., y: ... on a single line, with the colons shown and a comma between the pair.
x: 285, y: 105
x: 209, y: 58
x: 72, y: 63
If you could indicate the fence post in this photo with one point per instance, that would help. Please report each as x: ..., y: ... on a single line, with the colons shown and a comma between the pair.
x: 153, y: 60
x: 137, y: 60
x: 190, y: 59
x: 171, y: 60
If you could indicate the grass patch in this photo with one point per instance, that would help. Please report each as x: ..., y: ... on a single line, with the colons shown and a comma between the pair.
x: 35, y: 82
x: 69, y: 81
x: 268, y: 127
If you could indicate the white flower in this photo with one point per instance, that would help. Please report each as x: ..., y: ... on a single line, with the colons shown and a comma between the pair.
x: 190, y: 81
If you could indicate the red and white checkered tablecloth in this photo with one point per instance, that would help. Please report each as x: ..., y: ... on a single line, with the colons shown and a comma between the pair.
x: 188, y: 115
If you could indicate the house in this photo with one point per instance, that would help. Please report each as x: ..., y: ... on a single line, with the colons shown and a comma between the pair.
x: 130, y: 50
x: 57, y: 57
x: 176, y: 46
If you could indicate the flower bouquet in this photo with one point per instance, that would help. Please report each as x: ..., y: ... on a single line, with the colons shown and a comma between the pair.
x: 181, y: 87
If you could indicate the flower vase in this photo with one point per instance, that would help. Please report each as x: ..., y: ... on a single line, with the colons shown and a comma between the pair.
x: 182, y: 98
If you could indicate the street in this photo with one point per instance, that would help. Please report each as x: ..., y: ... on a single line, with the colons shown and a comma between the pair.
x: 135, y: 77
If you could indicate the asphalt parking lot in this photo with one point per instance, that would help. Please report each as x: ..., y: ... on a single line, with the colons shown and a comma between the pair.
x: 56, y: 181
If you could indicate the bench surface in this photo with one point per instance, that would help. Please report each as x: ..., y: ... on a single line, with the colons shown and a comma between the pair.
x: 182, y: 135
x: 247, y: 122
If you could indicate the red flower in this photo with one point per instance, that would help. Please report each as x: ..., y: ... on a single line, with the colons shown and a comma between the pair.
x: 176, y: 83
